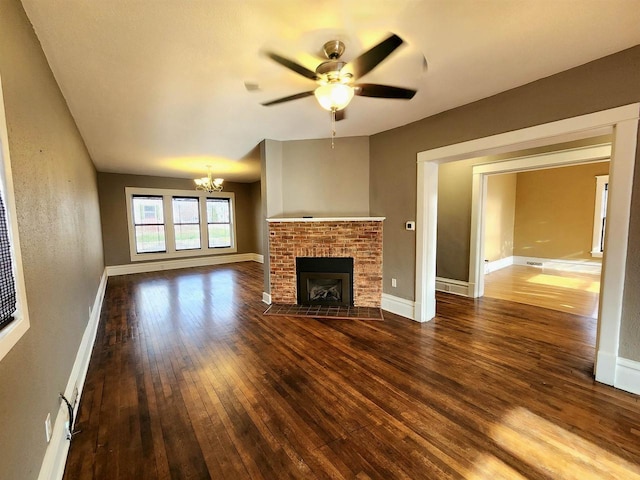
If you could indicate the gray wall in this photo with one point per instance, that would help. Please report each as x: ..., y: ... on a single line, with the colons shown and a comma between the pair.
x: 258, y: 222
x: 59, y: 228
x: 308, y: 177
x: 113, y: 211
x: 605, y: 83
x: 320, y: 181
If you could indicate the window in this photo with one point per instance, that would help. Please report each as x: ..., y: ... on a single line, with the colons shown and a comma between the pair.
x: 14, y: 315
x: 219, y: 222
x: 600, y: 215
x: 179, y: 223
x: 186, y: 223
x: 7, y: 282
x: 148, y: 220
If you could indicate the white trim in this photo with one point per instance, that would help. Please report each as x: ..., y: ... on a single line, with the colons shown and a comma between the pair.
x: 568, y: 157
x: 170, y: 246
x: 456, y: 287
x: 257, y: 257
x: 624, y: 121
x: 145, y: 267
x: 558, y: 264
x: 617, y: 238
x: 55, y: 457
x: 399, y: 306
x: 599, y: 209
x: 12, y: 333
x: 426, y: 240
x: 266, y: 298
x: 490, y: 267
x: 476, y: 243
x: 627, y: 375
x: 325, y: 219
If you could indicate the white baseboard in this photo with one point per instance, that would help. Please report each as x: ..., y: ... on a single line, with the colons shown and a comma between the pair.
x: 449, y: 285
x: 628, y: 375
x: 266, y: 298
x: 399, y: 306
x: 589, y: 266
x: 498, y: 264
x: 606, y: 367
x: 55, y: 457
x: 182, y: 263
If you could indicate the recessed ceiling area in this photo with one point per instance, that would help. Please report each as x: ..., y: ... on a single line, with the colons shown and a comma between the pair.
x: 158, y: 88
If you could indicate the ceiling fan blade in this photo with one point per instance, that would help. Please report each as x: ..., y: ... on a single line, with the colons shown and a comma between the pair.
x: 341, y: 115
x: 372, y: 57
x: 383, y: 91
x: 291, y: 65
x: 289, y: 98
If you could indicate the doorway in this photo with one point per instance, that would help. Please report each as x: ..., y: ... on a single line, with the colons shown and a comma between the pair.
x: 591, y: 154
x: 623, y: 123
x: 541, y: 246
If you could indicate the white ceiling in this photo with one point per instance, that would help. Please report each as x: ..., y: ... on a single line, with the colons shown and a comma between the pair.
x: 157, y: 86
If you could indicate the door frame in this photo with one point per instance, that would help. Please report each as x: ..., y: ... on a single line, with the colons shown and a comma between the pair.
x: 556, y: 159
x: 623, y: 122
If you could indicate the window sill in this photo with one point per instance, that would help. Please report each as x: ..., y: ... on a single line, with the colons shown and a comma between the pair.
x: 12, y: 333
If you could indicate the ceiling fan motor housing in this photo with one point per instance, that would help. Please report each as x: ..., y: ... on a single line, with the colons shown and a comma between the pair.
x: 330, y: 71
x: 333, y: 49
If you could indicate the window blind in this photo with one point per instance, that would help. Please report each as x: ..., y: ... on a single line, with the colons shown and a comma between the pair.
x: 7, y: 283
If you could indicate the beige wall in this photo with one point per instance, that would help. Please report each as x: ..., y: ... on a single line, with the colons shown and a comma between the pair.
x: 500, y: 210
x: 320, y: 181
x: 59, y: 228
x: 113, y: 211
x: 605, y: 83
x: 554, y: 212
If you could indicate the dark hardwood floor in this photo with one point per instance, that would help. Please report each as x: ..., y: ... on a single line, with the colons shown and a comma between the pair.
x: 189, y: 380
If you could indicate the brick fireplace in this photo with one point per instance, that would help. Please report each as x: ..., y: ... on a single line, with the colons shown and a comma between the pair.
x: 358, y: 238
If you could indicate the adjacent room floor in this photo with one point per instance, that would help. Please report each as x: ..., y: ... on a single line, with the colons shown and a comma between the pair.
x: 188, y: 379
x: 568, y: 291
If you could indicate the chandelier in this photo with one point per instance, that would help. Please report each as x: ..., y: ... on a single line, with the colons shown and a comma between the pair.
x: 209, y: 184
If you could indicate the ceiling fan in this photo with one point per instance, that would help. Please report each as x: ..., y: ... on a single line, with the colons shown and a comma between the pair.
x: 336, y: 79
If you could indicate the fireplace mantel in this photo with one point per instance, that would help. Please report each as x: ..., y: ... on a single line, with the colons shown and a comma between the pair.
x: 326, y: 219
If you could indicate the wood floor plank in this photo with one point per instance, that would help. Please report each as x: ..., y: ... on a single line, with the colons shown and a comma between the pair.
x: 189, y: 380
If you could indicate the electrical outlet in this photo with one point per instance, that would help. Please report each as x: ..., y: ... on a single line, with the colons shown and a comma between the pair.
x: 47, y: 427
x: 394, y: 283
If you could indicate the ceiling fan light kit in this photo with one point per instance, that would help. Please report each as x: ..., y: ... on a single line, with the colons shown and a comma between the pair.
x: 334, y: 96
x: 336, y: 85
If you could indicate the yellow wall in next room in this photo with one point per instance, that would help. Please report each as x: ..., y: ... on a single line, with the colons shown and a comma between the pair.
x: 554, y: 212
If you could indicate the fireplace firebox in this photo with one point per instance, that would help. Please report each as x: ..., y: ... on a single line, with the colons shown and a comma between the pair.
x: 325, y: 281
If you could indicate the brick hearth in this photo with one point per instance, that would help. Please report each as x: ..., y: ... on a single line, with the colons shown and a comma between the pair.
x: 359, y: 238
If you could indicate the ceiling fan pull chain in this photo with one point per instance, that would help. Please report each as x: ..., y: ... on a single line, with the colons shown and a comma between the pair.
x: 333, y: 127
